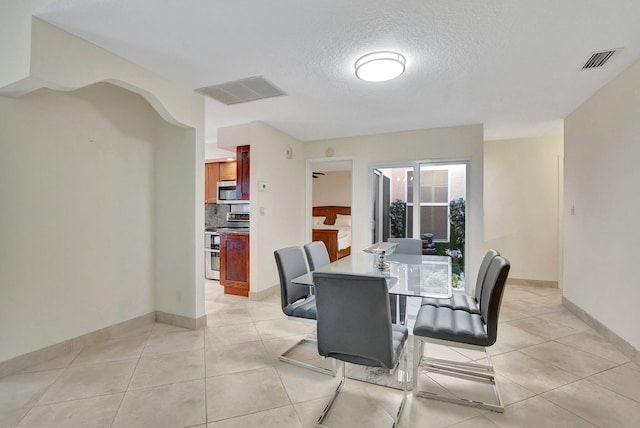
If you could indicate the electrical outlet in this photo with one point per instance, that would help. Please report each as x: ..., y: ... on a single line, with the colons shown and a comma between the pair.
x: 261, y: 210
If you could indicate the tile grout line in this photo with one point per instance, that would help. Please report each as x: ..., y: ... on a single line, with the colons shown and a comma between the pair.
x: 204, y: 380
x: 133, y: 372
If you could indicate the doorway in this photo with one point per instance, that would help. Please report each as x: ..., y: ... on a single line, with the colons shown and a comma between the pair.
x: 329, y: 203
x: 423, y: 200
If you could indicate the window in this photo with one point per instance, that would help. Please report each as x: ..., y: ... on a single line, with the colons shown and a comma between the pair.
x: 434, y: 202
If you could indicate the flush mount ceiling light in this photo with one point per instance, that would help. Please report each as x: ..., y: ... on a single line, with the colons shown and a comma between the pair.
x: 380, y: 66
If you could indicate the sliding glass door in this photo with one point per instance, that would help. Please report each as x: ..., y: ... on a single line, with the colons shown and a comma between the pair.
x: 426, y: 201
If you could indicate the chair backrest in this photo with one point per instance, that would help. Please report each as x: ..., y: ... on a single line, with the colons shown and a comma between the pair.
x: 407, y: 245
x: 291, y: 264
x: 492, y: 291
x: 317, y: 254
x: 354, y: 321
x: 482, y: 272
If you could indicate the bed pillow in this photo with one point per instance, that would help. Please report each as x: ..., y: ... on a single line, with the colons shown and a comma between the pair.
x: 343, y: 220
x: 317, y: 220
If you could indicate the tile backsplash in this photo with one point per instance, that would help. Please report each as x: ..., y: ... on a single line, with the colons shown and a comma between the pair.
x: 216, y: 214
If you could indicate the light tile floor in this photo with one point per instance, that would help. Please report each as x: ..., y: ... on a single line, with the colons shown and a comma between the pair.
x: 553, y: 370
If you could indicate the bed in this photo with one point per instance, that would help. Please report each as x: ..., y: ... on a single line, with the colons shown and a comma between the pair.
x: 332, y: 225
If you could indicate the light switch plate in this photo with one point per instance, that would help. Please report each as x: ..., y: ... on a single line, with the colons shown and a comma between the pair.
x: 262, y: 186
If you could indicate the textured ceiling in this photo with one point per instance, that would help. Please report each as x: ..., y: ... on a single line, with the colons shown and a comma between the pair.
x: 513, y: 65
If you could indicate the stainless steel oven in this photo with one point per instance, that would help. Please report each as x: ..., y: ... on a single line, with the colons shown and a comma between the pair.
x: 212, y: 255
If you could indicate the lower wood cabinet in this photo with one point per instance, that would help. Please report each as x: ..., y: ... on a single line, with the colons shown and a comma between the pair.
x: 234, y: 263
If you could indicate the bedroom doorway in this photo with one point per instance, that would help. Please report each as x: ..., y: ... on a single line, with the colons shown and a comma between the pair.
x: 329, y: 200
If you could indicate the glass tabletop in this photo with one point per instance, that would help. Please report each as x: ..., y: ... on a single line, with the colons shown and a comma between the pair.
x: 408, y: 275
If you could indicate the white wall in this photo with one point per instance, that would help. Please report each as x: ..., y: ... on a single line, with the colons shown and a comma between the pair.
x: 283, y: 222
x: 333, y: 188
x: 455, y: 143
x: 76, y: 185
x: 601, y: 181
x: 521, y: 196
x: 62, y: 61
x: 212, y: 152
x: 174, y: 210
x: 15, y: 38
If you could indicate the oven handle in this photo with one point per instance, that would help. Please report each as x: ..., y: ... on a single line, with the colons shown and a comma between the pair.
x: 206, y: 250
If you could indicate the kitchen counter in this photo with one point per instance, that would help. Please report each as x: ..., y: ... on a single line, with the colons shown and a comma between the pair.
x: 226, y: 229
x: 233, y: 231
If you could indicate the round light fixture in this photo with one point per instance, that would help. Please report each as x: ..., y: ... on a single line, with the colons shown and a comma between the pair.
x: 380, y: 66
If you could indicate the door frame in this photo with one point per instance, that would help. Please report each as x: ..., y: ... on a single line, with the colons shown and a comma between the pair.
x: 309, y: 191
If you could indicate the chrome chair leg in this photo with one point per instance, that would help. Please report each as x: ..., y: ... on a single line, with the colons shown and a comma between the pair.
x: 311, y: 338
x: 333, y: 397
x: 405, y: 381
x: 477, y: 372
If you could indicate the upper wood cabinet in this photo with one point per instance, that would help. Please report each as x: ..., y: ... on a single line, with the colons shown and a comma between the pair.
x: 214, y: 172
x: 227, y: 171
x: 211, y: 178
x: 242, y: 160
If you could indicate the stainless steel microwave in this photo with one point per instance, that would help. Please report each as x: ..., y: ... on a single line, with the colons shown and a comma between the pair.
x: 227, y: 192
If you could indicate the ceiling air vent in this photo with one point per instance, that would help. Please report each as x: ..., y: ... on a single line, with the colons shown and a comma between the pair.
x: 598, y: 59
x: 242, y: 91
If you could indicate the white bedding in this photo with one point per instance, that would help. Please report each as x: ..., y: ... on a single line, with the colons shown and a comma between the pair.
x: 344, y: 234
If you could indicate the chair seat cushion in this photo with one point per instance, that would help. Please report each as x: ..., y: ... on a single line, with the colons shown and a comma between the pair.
x: 304, y: 308
x: 451, y: 325
x: 457, y: 301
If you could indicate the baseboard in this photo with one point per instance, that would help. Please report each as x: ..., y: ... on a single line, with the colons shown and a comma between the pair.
x: 623, y: 346
x: 39, y: 356
x: 264, y: 294
x: 532, y: 282
x: 21, y: 362
x: 181, y: 321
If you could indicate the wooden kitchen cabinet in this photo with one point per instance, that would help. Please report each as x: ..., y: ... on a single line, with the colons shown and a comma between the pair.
x: 227, y: 171
x: 214, y: 172
x: 234, y: 263
x: 242, y: 160
x: 211, y: 178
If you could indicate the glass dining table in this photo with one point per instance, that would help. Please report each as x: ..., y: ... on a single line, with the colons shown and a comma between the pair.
x: 407, y: 275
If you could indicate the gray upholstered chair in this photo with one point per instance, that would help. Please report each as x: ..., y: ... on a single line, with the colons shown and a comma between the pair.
x: 354, y: 325
x: 460, y: 328
x: 297, y: 302
x: 462, y: 300
x: 317, y: 254
x: 407, y: 245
